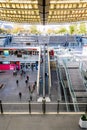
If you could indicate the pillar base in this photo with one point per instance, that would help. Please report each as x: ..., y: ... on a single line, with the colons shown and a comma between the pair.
x: 41, y: 98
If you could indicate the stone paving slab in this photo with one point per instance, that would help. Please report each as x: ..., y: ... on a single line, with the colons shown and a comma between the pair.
x: 39, y: 122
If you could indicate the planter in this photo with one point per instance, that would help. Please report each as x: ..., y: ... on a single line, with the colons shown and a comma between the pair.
x: 82, y: 123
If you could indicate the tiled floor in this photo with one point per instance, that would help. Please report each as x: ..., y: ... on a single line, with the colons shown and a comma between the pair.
x: 10, y: 91
x: 39, y: 122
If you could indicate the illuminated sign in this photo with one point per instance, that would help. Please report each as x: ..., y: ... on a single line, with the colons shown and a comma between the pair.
x: 6, y: 52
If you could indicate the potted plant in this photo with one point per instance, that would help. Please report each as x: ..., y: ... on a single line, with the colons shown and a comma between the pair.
x: 83, y: 121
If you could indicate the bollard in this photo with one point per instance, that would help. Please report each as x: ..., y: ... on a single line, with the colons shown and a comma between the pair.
x: 29, y: 107
x: 1, y: 107
x: 44, y: 105
x: 58, y: 106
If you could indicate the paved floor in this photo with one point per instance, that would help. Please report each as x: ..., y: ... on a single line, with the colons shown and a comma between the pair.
x: 9, y: 93
x: 39, y: 122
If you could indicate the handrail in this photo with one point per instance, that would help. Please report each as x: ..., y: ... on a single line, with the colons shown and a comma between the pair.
x: 35, y: 102
x: 29, y: 108
x: 49, y: 74
x: 59, y: 78
x: 38, y: 75
x: 44, y: 73
x: 63, y: 85
x: 81, y: 66
x: 71, y: 88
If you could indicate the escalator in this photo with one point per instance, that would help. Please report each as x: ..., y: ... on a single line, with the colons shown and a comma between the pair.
x: 66, y: 96
x: 70, y: 86
x: 46, y: 76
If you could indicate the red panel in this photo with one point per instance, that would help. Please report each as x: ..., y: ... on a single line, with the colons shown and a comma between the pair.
x: 7, y: 66
x: 32, y: 49
x: 52, y: 52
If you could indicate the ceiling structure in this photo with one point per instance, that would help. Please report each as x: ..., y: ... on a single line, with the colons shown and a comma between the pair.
x: 43, y: 11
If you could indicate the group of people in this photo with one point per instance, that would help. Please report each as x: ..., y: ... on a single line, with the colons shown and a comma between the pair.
x: 22, y: 69
x: 25, y: 67
x: 26, y: 81
x: 30, y: 87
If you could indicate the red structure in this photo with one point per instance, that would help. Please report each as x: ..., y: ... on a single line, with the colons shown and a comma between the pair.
x: 51, y: 52
x: 10, y: 66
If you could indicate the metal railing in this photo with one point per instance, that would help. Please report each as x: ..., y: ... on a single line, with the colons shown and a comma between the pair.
x: 71, y: 88
x: 39, y: 108
x: 49, y: 74
x: 38, y: 76
x: 63, y: 85
x: 82, y: 69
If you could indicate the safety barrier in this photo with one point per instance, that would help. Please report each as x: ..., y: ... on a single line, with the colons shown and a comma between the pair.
x: 71, y: 88
x: 40, y: 108
x: 63, y: 84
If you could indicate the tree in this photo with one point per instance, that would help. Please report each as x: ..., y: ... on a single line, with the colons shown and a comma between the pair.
x: 33, y: 29
x: 82, y: 28
x: 17, y: 29
x: 72, y: 29
x: 50, y: 31
x: 62, y: 30
x: 3, y: 31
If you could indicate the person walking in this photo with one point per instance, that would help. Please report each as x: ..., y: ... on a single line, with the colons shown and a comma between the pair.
x: 17, y: 82
x: 26, y: 81
x: 35, y: 83
x: 29, y: 88
x: 27, y: 78
x: 32, y: 66
x: 20, y: 95
x: 33, y: 87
